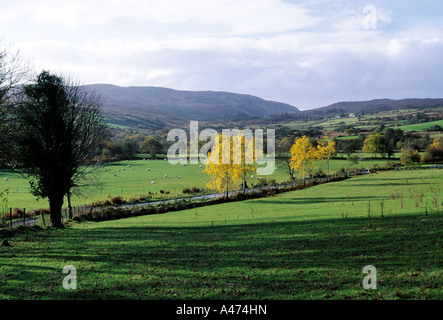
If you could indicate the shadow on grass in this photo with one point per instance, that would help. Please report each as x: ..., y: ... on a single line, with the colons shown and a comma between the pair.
x: 291, y: 260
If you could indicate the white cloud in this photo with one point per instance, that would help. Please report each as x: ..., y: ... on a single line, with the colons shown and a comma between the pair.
x: 271, y: 48
x: 225, y: 16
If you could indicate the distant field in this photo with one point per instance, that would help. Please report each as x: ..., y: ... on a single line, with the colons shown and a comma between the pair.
x: 135, y: 181
x: 310, y: 244
x: 421, y: 126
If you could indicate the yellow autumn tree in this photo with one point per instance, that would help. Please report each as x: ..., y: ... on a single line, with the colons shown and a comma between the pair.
x: 230, y: 161
x: 244, y: 157
x: 434, y: 152
x: 303, y: 156
x: 372, y: 144
x: 408, y: 155
x: 326, y: 149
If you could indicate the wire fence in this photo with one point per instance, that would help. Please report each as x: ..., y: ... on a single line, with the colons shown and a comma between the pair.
x: 21, y: 217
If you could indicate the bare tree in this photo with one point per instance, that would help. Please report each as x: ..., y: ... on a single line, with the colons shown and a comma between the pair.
x: 13, y: 72
x: 58, y: 125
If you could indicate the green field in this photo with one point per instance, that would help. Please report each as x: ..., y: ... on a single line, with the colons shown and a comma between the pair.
x: 135, y: 181
x: 421, y: 126
x: 306, y: 244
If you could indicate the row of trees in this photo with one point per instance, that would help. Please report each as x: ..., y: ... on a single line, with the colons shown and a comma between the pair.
x: 383, y: 143
x: 301, y: 156
x: 123, y: 146
x: 50, y: 127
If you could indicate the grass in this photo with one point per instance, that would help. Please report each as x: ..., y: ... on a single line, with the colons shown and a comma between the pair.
x: 421, y: 126
x: 308, y: 244
x: 135, y: 181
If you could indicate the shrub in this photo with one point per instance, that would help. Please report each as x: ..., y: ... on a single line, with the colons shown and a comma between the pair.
x: 187, y: 191
x: 117, y: 200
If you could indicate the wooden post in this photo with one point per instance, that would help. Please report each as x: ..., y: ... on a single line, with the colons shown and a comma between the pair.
x: 10, y: 217
x: 43, y: 218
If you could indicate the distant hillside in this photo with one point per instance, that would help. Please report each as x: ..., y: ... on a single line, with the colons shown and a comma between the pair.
x: 374, y: 106
x: 155, y: 108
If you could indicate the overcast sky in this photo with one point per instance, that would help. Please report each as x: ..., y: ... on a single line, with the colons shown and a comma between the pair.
x: 307, y: 53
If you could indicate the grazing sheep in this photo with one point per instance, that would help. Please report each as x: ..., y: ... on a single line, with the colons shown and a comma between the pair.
x: 166, y: 175
x: 152, y: 182
x: 6, y: 179
x: 178, y: 177
x: 115, y: 175
x: 149, y: 169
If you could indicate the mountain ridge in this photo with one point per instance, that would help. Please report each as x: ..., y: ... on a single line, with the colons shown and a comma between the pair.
x: 179, y: 106
x: 159, y: 108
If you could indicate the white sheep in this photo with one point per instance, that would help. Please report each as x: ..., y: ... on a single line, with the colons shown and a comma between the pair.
x: 6, y: 179
x: 149, y: 169
x: 152, y: 182
x: 166, y: 175
x: 178, y: 177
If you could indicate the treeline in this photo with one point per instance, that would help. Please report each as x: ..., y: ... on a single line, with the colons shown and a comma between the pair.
x: 384, y: 143
x: 122, y: 145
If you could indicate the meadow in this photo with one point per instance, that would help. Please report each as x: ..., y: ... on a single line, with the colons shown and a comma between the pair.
x: 132, y: 180
x: 306, y: 244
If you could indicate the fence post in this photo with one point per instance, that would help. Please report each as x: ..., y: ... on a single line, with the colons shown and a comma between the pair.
x: 10, y: 217
x: 43, y: 218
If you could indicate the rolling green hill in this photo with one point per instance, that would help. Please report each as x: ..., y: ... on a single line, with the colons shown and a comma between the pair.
x: 156, y: 108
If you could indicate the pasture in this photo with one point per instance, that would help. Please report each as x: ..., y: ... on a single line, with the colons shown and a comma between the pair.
x: 307, y: 244
x: 131, y: 179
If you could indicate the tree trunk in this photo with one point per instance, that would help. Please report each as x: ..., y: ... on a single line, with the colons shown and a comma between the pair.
x: 327, y: 170
x: 68, y: 197
x: 55, y: 206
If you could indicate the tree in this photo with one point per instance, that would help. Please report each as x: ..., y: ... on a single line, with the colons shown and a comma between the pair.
x: 349, y: 148
x: 223, y: 175
x: 152, y: 146
x: 229, y: 167
x: 12, y: 73
x: 244, y: 158
x: 284, y: 153
x: 434, y: 152
x: 303, y: 156
x: 409, y: 155
x: 326, y: 149
x: 57, y: 127
x: 372, y: 144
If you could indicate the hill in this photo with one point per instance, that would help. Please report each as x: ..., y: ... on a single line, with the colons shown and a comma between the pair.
x: 156, y: 108
x: 377, y: 105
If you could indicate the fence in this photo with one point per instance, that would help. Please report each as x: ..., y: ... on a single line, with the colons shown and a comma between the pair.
x: 22, y: 217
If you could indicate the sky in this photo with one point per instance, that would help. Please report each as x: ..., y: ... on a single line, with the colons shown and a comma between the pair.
x: 307, y: 53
